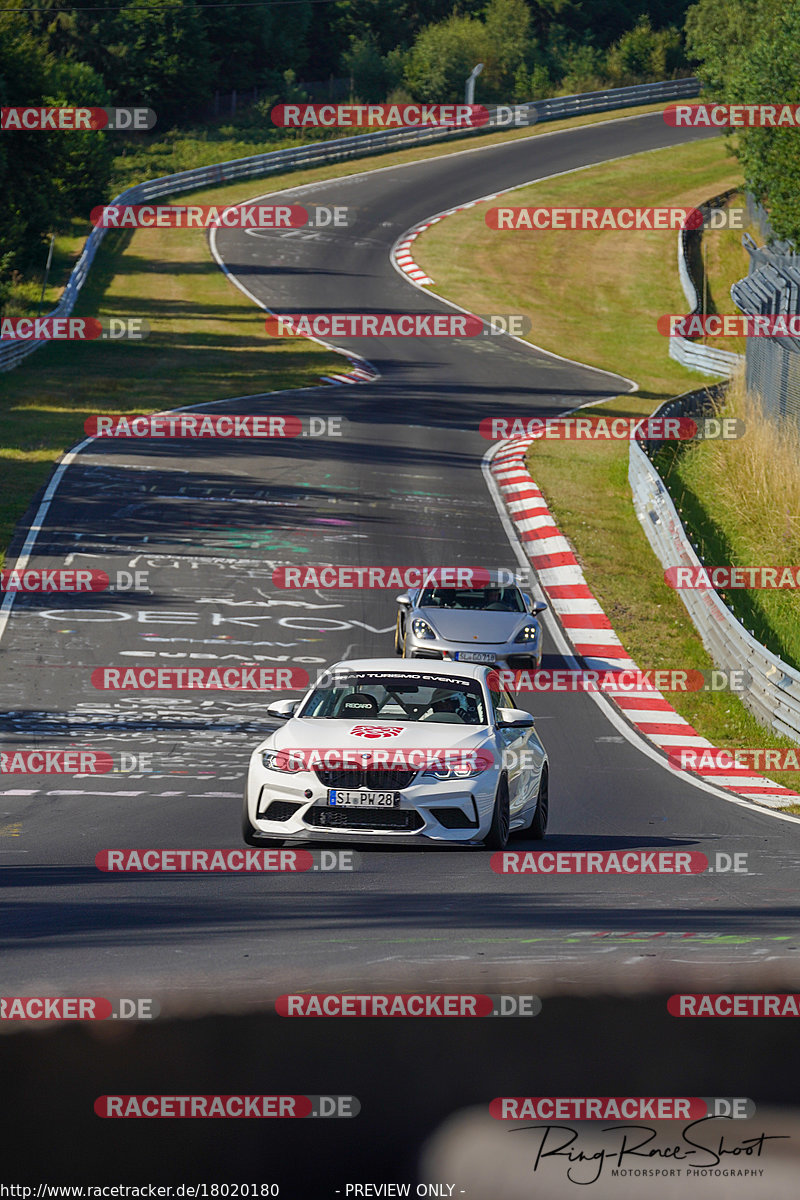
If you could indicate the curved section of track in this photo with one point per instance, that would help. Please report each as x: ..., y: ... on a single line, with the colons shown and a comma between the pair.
x: 210, y: 521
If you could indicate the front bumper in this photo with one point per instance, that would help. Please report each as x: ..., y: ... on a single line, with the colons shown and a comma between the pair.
x: 516, y: 656
x: 457, y: 811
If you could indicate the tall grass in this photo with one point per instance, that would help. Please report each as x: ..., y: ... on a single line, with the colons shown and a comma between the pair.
x: 740, y: 500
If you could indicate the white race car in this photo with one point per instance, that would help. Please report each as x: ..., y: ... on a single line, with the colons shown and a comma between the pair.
x: 402, y: 751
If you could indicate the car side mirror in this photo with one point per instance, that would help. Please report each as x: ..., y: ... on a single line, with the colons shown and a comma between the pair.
x: 513, y: 718
x: 282, y: 708
x: 538, y: 606
x: 404, y: 601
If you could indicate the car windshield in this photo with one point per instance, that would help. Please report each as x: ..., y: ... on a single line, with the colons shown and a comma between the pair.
x: 382, y: 696
x: 488, y: 599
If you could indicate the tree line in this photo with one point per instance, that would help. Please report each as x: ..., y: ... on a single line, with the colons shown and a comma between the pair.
x: 748, y: 52
x: 172, y: 55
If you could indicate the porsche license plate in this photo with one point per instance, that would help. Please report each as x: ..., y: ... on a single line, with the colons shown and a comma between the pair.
x: 477, y: 656
x: 363, y: 799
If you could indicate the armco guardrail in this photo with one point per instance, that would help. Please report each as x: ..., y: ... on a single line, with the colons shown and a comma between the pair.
x: 316, y: 153
x: 708, y: 359
x: 773, y: 693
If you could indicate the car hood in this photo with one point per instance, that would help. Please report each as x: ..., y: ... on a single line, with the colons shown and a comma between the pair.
x: 460, y: 625
x: 313, y: 734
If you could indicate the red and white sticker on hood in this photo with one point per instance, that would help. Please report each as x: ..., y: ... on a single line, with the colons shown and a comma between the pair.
x: 376, y: 731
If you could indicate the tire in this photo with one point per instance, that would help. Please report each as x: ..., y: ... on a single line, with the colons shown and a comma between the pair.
x: 250, y: 834
x: 398, y: 640
x: 497, y: 837
x: 538, y: 826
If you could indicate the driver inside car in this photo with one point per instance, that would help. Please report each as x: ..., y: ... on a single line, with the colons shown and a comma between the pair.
x: 449, y: 704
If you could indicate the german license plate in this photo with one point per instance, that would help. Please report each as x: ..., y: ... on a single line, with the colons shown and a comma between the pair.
x: 363, y: 799
x: 478, y: 656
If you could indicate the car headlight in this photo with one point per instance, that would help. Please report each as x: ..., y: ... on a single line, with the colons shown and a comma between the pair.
x: 460, y: 771
x: 281, y: 760
x: 528, y: 633
x: 421, y: 629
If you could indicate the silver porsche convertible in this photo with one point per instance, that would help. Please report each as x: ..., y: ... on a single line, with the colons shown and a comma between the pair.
x: 492, y: 623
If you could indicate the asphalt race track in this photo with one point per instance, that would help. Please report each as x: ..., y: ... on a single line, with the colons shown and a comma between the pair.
x: 209, y: 521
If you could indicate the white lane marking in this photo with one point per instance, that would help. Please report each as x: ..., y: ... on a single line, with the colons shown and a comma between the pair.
x: 71, y: 455
x: 36, y: 527
x: 364, y: 371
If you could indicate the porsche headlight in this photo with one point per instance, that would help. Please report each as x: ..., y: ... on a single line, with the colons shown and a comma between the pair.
x: 421, y: 629
x: 528, y: 633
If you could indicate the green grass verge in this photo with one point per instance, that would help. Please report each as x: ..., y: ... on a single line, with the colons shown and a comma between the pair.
x: 595, y: 296
x: 207, y: 342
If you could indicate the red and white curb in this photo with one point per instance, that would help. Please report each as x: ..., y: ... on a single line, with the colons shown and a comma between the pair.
x: 401, y: 254
x: 358, y: 373
x: 589, y: 630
